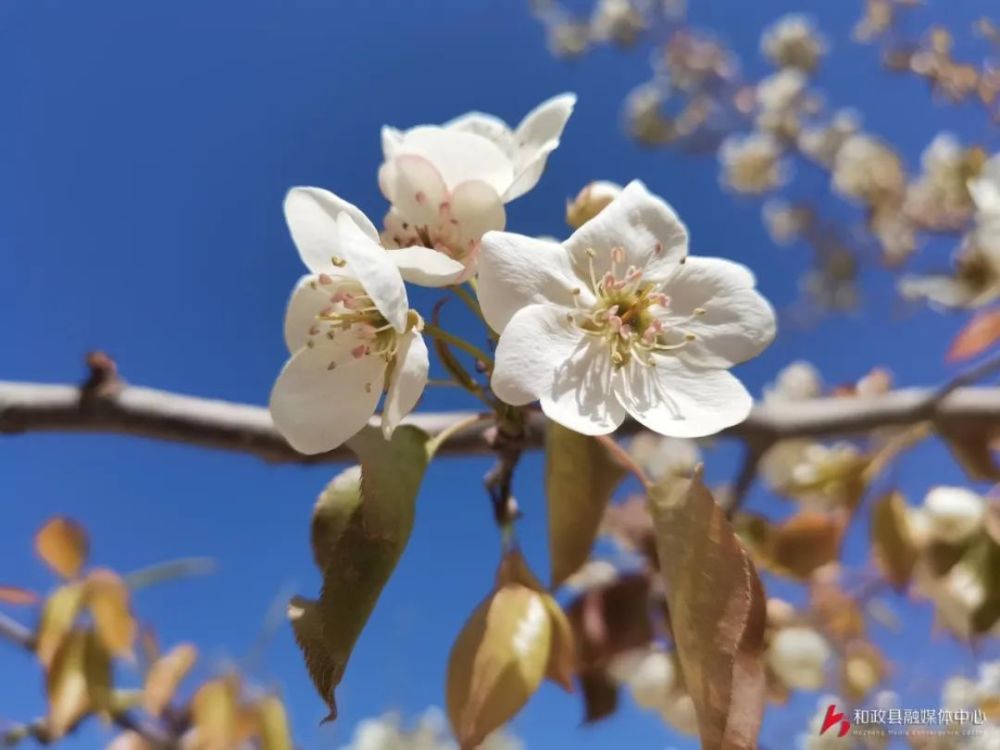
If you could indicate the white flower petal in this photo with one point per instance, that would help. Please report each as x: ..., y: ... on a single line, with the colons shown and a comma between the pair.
x: 312, y: 214
x: 415, y: 188
x: 516, y: 271
x: 643, y: 225
x: 391, y: 138
x: 375, y: 270
x: 677, y: 400
x: 305, y: 303
x: 477, y: 209
x: 488, y: 126
x: 317, y: 408
x: 535, y: 138
x: 460, y: 156
x: 529, y: 351
x: 738, y: 323
x: 426, y: 267
x: 541, y: 355
x: 406, y: 380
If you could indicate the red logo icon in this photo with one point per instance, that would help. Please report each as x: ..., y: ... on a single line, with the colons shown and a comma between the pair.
x: 831, y: 719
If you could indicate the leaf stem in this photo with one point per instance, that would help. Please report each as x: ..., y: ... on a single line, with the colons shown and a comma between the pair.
x: 459, y: 343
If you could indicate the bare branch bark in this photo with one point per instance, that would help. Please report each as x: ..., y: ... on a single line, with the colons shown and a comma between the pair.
x: 243, y: 428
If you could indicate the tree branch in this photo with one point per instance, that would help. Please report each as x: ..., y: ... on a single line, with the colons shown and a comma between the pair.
x: 242, y: 428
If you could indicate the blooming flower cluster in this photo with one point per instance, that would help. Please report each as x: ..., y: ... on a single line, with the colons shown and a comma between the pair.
x: 617, y: 320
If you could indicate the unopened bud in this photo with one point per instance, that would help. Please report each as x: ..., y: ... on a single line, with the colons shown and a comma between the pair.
x: 591, y: 201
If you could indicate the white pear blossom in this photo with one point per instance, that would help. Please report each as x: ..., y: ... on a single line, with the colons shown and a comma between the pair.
x: 680, y: 713
x: 752, y: 163
x: 798, y: 381
x: 618, y: 321
x: 429, y: 732
x: 985, y: 189
x: 793, y: 41
x: 953, y: 513
x: 868, y: 170
x: 448, y: 184
x: 799, y: 657
x: 348, y: 328
x: 822, y: 143
x: 649, y: 674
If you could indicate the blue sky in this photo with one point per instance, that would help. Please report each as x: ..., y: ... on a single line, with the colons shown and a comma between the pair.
x: 144, y: 152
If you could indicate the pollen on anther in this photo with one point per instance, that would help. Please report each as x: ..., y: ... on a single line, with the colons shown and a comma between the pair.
x: 338, y: 262
x: 331, y: 366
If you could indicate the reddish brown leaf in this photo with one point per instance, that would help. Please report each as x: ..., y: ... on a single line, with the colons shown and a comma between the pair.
x: 600, y: 696
x: 610, y: 619
x: 979, y: 334
x: 17, y: 596
x: 717, y: 612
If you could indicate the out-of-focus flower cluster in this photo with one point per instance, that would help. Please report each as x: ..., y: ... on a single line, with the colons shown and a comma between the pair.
x: 768, y: 132
x: 429, y: 732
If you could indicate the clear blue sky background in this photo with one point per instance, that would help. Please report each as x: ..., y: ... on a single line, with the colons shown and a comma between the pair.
x: 144, y: 152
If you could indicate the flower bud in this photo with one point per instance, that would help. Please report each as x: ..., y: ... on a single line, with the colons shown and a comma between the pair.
x: 590, y: 202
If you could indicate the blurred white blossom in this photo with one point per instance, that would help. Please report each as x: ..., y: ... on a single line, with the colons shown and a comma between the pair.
x: 793, y: 42
x: 799, y: 656
x: 953, y: 513
x: 752, y: 163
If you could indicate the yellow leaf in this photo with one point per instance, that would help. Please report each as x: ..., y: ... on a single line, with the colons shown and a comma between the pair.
x: 164, y: 677
x: 892, y: 540
x: 108, y: 599
x: 17, y: 596
x: 717, y: 612
x: 214, y: 714
x: 66, y: 685
x: 58, y: 616
x: 78, y: 682
x: 562, y: 655
x: 580, y: 477
x: 979, y: 334
x: 497, y: 663
x: 561, y: 666
x: 63, y: 545
x: 273, y: 723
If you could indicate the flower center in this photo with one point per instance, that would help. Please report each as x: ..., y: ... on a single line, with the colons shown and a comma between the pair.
x: 352, y: 313
x: 446, y: 234
x: 630, y: 313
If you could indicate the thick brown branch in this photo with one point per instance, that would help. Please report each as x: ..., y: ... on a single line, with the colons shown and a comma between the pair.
x: 145, y: 412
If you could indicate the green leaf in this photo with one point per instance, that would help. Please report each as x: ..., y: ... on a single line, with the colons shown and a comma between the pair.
x: 580, y: 477
x: 361, y: 524
x: 717, y: 612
